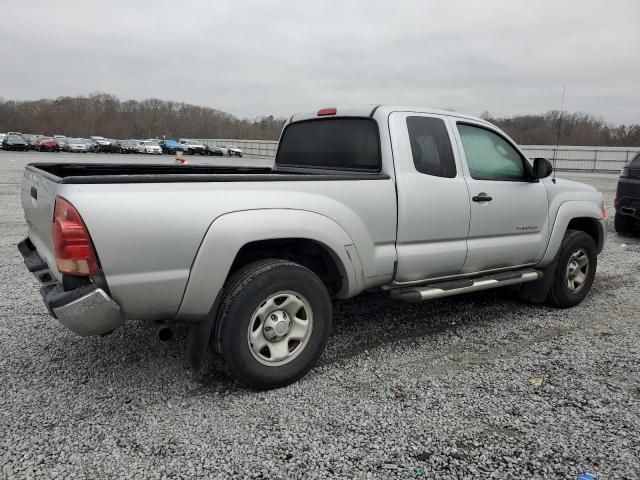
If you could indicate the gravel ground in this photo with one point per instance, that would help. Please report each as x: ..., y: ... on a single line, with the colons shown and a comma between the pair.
x: 480, y: 386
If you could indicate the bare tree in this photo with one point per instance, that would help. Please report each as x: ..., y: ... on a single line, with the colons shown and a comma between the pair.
x: 104, y: 114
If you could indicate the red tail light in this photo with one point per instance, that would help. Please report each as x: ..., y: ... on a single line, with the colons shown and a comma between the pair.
x: 71, y: 241
x: 327, y: 111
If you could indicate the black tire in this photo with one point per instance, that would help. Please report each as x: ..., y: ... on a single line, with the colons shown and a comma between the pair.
x: 560, y: 294
x: 247, y: 290
x: 623, y: 224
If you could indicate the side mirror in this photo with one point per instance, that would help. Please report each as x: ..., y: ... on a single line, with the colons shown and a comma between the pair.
x: 542, y: 168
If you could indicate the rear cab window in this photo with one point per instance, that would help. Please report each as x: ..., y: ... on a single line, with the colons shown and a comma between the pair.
x: 347, y: 143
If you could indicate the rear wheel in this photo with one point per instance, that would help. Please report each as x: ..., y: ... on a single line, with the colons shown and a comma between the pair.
x: 575, y: 270
x: 623, y: 224
x: 273, y: 323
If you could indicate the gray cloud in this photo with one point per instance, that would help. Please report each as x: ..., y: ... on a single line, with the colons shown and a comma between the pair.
x: 252, y: 58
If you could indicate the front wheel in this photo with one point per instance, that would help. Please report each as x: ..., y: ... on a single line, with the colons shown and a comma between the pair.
x: 273, y: 323
x: 575, y: 270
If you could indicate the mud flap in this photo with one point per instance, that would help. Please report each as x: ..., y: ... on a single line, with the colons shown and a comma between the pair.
x: 536, y: 292
x: 199, y: 338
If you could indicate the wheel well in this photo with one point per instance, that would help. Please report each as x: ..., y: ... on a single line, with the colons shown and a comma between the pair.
x: 587, y: 225
x: 309, y: 253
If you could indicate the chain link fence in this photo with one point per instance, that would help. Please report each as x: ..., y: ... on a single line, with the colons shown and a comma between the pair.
x: 592, y: 159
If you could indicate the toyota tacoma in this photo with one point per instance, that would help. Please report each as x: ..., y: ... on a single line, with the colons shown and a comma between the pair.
x: 420, y: 203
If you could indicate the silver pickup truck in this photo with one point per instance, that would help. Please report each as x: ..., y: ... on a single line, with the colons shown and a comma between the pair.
x: 418, y: 202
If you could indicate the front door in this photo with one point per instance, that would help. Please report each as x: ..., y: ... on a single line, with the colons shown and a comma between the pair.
x: 433, y: 201
x: 509, y: 211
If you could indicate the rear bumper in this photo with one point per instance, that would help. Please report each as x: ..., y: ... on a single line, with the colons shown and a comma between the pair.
x: 85, y: 310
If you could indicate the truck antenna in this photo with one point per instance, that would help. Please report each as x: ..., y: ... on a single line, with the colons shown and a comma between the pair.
x: 555, y: 151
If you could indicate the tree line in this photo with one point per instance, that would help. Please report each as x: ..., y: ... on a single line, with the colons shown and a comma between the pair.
x: 104, y: 114
x: 568, y: 128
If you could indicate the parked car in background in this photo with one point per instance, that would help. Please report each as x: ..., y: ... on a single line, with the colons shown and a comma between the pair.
x: 152, y: 147
x: 59, y: 138
x: 627, y: 201
x: 114, y: 146
x: 129, y: 146
x: 213, y: 150
x: 32, y: 140
x: 75, y: 145
x: 14, y: 142
x: 47, y: 144
x: 170, y: 147
x: 233, y: 151
x: 89, y: 143
x: 2, y: 137
x: 224, y: 150
x: 191, y: 147
x: 101, y: 145
x: 119, y: 145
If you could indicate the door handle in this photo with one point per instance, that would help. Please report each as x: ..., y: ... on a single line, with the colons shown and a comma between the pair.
x: 483, y: 197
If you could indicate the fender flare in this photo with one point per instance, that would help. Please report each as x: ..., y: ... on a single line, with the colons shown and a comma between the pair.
x: 228, y: 233
x: 566, y: 212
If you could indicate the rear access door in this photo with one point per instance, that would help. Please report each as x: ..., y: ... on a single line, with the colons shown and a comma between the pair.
x: 433, y: 200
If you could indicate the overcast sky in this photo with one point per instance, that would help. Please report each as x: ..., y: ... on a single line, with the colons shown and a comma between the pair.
x: 253, y: 58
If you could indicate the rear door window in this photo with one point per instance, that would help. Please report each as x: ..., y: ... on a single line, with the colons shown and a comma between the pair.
x: 337, y: 144
x: 431, y: 147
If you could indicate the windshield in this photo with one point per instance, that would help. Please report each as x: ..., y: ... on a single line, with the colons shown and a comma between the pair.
x: 337, y: 143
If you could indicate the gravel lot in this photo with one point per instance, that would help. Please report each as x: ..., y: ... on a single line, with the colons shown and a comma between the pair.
x: 481, y: 386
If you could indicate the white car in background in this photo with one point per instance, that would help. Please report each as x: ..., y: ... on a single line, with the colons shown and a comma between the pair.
x: 191, y: 147
x: 233, y: 151
x: 74, y: 145
x: 146, y: 146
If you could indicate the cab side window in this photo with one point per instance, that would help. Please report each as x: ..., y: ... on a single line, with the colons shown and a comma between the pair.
x: 431, y: 147
x: 489, y: 156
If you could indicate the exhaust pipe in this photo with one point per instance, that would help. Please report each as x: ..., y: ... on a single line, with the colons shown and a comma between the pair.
x: 165, y: 332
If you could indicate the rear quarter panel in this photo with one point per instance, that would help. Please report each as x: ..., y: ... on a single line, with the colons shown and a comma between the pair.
x: 147, y: 235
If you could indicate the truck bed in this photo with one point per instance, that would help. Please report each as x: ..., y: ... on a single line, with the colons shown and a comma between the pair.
x: 88, y: 173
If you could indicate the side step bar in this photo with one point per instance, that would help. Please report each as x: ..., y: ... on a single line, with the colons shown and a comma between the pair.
x: 455, y: 287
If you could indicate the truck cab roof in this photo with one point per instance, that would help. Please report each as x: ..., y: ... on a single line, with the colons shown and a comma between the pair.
x: 373, y: 109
